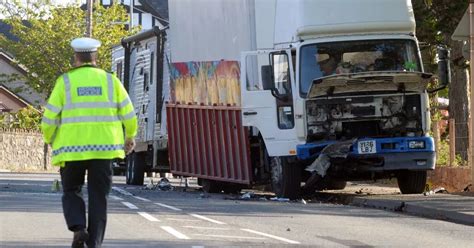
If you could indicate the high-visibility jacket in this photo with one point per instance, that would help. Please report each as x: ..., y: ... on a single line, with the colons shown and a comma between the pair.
x: 86, y: 115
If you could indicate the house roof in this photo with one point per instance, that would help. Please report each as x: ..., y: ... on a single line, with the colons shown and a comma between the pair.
x: 9, y: 59
x: 5, y: 30
x: 13, y: 95
x: 462, y: 30
x: 157, y: 8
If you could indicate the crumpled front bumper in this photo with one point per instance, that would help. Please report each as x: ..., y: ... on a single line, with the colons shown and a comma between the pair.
x: 392, y: 153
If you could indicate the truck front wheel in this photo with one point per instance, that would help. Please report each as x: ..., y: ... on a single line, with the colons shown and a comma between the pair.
x: 286, y: 177
x: 412, y: 182
x: 135, y: 174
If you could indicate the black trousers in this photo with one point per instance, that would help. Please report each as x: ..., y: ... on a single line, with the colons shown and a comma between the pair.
x: 99, y: 182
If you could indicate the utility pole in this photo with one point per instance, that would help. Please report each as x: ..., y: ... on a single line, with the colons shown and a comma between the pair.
x: 89, y: 19
x: 131, y: 15
x: 471, y: 81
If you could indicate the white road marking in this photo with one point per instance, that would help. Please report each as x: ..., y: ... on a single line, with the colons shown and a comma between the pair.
x: 228, y: 236
x: 122, y: 191
x: 271, y: 236
x: 197, y: 246
x: 32, y: 194
x: 186, y: 220
x: 129, y: 205
x: 168, y: 206
x: 173, y: 232
x: 207, y: 219
x: 141, y: 198
x: 33, y: 179
x: 116, y: 198
x: 148, y: 217
x: 25, y: 184
x: 206, y: 228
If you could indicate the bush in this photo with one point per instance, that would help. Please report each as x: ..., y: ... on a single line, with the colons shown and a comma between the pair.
x: 26, y: 118
x: 442, y: 157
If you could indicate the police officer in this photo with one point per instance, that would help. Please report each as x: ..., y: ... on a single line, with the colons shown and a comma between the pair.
x: 84, y: 121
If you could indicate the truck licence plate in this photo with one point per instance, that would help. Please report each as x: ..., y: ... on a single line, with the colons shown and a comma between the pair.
x: 367, y: 147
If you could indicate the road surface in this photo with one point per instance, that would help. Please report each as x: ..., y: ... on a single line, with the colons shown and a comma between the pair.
x: 31, y: 216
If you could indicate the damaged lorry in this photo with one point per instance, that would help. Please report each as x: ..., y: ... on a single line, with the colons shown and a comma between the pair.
x: 295, y: 94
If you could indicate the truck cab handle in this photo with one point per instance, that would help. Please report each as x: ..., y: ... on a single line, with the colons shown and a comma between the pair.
x: 250, y: 113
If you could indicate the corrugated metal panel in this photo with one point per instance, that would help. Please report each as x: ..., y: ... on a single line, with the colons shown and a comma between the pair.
x: 141, y: 92
x: 160, y: 128
x: 208, y: 142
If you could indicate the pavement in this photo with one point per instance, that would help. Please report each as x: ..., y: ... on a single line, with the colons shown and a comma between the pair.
x: 453, y: 207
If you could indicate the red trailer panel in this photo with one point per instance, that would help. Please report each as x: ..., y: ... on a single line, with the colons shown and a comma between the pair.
x: 208, y: 142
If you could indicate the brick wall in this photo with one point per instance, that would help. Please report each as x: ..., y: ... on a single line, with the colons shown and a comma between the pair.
x: 22, y: 150
x: 453, y: 179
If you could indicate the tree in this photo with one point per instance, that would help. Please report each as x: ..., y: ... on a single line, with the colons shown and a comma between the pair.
x: 44, y: 32
x: 436, y: 20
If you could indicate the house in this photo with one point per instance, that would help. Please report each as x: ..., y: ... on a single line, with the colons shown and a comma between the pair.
x: 17, y: 86
x: 146, y: 13
x: 10, y: 102
x: 8, y: 68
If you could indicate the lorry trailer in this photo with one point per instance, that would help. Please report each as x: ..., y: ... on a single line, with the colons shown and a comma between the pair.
x: 298, y: 95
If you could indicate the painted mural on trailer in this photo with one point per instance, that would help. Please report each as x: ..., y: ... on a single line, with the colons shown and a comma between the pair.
x: 205, y: 83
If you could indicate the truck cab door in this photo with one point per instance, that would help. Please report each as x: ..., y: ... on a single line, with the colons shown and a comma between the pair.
x: 267, y: 84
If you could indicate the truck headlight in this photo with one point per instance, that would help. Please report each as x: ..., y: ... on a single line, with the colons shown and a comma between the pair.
x: 416, y: 144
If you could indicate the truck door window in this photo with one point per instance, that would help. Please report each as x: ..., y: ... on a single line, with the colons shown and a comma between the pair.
x: 281, y: 75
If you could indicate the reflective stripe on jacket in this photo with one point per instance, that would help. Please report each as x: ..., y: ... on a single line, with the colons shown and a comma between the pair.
x: 85, y: 116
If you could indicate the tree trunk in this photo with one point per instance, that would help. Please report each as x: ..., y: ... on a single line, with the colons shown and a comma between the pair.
x: 459, y: 99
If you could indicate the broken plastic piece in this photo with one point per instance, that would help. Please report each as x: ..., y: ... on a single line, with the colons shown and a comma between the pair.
x: 279, y: 199
x: 246, y: 196
x: 164, y: 184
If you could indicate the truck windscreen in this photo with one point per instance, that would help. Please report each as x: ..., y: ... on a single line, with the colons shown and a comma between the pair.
x: 325, y: 59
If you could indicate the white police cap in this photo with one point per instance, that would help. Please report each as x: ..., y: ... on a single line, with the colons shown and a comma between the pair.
x: 85, y: 45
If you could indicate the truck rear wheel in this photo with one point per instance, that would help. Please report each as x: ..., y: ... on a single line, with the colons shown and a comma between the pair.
x: 412, y: 182
x: 135, y: 174
x: 286, y: 177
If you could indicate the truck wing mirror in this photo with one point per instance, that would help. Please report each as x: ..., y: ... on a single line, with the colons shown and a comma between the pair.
x: 444, y: 69
x: 267, y: 77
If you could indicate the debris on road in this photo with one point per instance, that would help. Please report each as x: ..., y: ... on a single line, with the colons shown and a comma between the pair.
x: 469, y: 188
x: 439, y: 190
x: 247, y: 196
x: 164, y: 184
x: 150, y: 185
x: 363, y: 191
x: 55, y: 187
x: 203, y: 195
x: 279, y: 199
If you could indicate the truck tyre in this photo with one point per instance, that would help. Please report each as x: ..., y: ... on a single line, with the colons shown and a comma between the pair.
x: 135, y: 168
x: 211, y: 186
x: 286, y: 178
x: 412, y: 182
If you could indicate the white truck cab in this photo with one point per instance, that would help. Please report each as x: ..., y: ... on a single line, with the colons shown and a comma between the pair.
x: 340, y: 73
